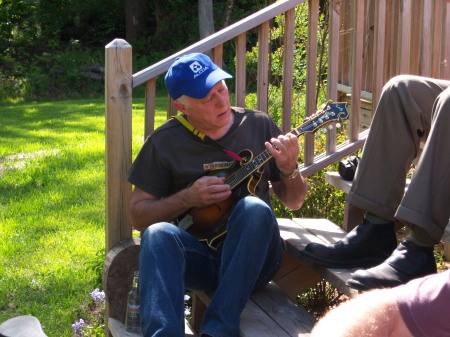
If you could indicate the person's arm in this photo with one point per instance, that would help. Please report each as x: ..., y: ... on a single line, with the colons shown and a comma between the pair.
x: 147, y: 209
x: 372, y: 314
x: 291, y: 192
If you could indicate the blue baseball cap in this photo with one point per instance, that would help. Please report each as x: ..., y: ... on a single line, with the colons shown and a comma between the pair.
x: 193, y: 75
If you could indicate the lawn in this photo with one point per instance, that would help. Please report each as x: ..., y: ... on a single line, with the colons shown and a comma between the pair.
x: 52, y: 203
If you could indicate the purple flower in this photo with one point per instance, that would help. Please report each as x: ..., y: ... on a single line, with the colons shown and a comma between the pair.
x: 186, y: 297
x: 98, y: 295
x: 78, y: 325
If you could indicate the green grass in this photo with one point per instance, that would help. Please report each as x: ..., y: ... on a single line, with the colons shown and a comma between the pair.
x: 52, y: 207
x: 52, y: 202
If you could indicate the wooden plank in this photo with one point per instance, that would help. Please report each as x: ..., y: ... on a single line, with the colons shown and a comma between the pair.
x: 365, y: 95
x: 438, y: 33
x: 240, y: 70
x: 263, y: 67
x: 294, y: 277
x: 200, y: 302
x: 333, y: 64
x: 417, y: 32
x: 334, y: 179
x: 405, y: 41
x: 288, y: 65
x: 357, y: 67
x: 426, y: 47
x: 333, y: 49
x: 299, y: 232
x: 311, y: 69
x: 217, y: 55
x: 265, y: 314
x: 117, y: 329
x: 255, y: 322
x: 380, y: 47
x: 150, y: 106
x: 445, y: 64
x: 290, y: 316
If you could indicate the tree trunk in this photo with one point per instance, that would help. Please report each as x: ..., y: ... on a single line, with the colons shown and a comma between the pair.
x: 135, y: 11
x: 227, y: 13
x: 205, y: 18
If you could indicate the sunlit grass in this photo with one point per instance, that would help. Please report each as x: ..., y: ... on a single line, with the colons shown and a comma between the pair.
x: 52, y: 201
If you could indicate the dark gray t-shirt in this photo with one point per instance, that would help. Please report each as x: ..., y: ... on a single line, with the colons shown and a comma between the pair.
x: 173, y: 157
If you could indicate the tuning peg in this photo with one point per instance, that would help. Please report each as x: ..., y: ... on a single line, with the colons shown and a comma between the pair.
x: 324, y: 130
x: 330, y: 126
x: 338, y: 125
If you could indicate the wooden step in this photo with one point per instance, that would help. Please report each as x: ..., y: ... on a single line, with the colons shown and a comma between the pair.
x: 268, y: 313
x: 117, y: 329
x: 296, y: 234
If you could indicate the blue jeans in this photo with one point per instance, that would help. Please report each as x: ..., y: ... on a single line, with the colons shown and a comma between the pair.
x: 173, y: 261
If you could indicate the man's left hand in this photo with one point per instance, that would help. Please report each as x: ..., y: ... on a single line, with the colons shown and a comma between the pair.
x: 285, y: 150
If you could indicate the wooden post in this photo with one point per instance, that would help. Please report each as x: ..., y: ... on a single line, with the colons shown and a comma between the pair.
x: 118, y: 87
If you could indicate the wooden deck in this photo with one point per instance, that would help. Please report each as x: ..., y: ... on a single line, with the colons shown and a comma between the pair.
x: 117, y: 329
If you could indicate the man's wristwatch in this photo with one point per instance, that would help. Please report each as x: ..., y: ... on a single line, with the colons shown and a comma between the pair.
x: 292, y: 175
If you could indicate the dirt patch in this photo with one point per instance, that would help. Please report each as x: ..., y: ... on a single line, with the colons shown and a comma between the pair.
x: 20, y: 160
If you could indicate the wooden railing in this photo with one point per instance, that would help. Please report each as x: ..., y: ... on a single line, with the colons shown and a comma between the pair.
x: 369, y: 42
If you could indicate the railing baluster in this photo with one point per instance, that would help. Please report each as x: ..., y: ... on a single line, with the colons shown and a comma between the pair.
x: 217, y: 56
x: 263, y: 66
x: 333, y: 64
x: 311, y: 74
x: 357, y: 66
x: 288, y: 69
x: 379, y: 59
x: 150, y: 98
x: 445, y: 64
x: 241, y: 67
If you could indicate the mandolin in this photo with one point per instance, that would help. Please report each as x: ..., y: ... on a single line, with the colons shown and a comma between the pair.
x: 208, y: 223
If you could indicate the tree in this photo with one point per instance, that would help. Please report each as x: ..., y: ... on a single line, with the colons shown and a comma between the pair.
x: 205, y: 18
x: 135, y: 19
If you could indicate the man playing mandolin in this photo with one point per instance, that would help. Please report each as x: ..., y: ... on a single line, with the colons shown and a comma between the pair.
x: 181, y: 177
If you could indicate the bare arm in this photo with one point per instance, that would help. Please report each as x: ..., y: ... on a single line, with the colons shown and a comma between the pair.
x: 147, y: 209
x: 372, y: 314
x: 291, y: 192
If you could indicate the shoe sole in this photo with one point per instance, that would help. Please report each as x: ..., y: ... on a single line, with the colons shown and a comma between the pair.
x: 361, y: 263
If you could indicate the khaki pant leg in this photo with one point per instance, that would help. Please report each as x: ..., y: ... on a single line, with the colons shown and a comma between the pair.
x: 427, y: 201
x: 401, y: 122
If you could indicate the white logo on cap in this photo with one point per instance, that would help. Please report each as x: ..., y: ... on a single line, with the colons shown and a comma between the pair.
x: 197, y: 68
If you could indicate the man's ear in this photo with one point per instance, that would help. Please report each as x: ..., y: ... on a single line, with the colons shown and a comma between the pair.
x: 179, y: 106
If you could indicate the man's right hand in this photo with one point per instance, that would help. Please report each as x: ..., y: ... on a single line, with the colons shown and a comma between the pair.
x: 207, y: 190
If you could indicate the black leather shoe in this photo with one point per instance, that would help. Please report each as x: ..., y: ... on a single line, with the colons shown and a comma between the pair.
x: 407, y: 262
x: 365, y: 246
